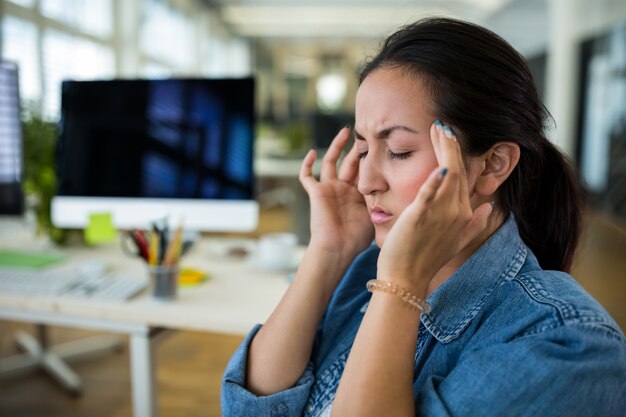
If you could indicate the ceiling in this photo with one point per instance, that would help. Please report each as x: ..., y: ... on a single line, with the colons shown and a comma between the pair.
x: 340, y: 18
x: 304, y: 23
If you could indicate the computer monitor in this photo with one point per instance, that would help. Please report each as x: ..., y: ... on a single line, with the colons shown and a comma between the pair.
x: 145, y: 150
x: 11, y: 158
x: 327, y: 125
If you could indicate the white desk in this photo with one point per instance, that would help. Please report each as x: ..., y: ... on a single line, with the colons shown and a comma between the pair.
x: 236, y: 297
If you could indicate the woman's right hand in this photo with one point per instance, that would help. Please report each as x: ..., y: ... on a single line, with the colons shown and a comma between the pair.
x: 340, y: 229
x: 339, y: 219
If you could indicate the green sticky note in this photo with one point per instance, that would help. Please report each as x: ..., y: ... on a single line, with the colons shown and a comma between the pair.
x: 100, y: 229
x: 28, y: 259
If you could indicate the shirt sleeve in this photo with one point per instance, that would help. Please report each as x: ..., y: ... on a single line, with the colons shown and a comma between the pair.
x: 237, y: 401
x: 567, y: 371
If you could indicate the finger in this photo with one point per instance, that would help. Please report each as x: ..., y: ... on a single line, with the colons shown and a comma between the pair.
x: 463, y: 179
x: 349, y: 168
x: 454, y: 146
x: 477, y: 224
x: 435, y: 129
x: 448, y: 149
x: 445, y: 157
x: 329, y: 163
x: 463, y: 184
x: 306, y: 170
x: 428, y: 191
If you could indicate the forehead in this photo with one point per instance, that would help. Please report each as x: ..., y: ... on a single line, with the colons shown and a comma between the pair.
x: 392, y: 95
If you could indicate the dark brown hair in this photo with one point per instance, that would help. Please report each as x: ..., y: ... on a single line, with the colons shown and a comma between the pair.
x: 483, y: 89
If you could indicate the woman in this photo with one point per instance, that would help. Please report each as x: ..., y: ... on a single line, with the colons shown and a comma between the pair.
x: 476, y: 215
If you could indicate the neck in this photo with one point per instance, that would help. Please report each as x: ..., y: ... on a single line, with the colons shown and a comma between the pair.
x: 495, y: 221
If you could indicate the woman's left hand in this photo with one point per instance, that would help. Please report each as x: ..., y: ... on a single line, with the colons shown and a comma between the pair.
x: 437, y: 225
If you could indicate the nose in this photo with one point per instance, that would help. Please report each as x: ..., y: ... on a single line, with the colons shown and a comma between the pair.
x: 371, y: 176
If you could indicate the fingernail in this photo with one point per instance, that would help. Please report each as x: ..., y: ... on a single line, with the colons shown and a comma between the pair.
x: 449, y: 133
x: 438, y: 125
x: 444, y: 171
x: 348, y: 127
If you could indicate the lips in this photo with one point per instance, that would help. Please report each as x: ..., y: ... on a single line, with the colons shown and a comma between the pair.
x: 379, y: 216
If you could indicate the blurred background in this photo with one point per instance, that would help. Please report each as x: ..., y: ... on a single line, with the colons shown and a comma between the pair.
x: 305, y: 56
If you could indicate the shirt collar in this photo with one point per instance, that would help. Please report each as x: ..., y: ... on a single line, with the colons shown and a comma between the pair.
x: 462, y: 296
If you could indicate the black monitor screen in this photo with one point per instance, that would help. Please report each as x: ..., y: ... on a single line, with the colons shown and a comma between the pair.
x: 174, y: 138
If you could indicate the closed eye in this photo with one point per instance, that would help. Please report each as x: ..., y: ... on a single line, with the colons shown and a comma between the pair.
x: 392, y: 155
x: 400, y: 156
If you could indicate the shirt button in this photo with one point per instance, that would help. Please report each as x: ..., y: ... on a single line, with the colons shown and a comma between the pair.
x: 309, y: 408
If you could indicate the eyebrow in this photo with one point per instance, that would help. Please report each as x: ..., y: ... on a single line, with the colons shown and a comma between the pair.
x: 386, y: 132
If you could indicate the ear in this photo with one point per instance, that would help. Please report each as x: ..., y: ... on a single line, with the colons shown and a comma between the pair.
x: 498, y: 163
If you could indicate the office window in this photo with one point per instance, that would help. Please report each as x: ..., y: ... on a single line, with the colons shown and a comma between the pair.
x: 59, y: 39
x: 167, y: 35
x: 19, y: 44
x: 155, y: 70
x: 90, y: 16
x: 226, y: 57
x: 602, y: 127
x: 239, y: 57
x: 10, y: 133
x: 70, y: 57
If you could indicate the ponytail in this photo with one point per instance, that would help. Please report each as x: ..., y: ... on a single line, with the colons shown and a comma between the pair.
x: 544, y: 194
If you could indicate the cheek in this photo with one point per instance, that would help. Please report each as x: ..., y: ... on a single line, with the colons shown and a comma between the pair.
x: 408, y: 187
x: 411, y: 176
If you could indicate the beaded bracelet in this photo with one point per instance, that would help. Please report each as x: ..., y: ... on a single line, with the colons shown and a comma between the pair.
x: 415, y: 302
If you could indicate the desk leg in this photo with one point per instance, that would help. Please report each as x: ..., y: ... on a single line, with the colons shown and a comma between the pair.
x: 142, y: 375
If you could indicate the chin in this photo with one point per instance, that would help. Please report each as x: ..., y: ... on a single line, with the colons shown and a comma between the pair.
x: 380, y: 237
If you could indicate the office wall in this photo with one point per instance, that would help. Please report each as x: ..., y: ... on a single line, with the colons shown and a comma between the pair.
x: 570, y: 22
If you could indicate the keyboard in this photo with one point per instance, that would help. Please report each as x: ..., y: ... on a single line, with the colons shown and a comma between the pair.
x: 71, y: 285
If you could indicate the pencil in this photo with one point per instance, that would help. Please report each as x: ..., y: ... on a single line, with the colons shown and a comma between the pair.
x: 154, y: 248
x: 178, y: 248
x: 173, y: 249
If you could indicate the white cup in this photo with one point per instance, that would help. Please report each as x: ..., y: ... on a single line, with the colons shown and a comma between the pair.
x: 277, y: 250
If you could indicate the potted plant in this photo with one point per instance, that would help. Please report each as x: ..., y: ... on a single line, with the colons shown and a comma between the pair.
x: 39, y: 141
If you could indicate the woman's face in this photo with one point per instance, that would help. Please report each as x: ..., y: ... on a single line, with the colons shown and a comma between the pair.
x: 393, y: 119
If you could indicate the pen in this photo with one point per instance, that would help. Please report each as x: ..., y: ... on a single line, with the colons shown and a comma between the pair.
x: 142, y: 245
x: 154, y: 248
x: 163, y: 242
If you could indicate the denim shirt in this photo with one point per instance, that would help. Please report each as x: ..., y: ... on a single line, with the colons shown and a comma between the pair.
x: 503, y: 338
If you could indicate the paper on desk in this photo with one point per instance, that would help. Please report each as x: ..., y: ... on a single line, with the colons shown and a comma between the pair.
x: 28, y: 259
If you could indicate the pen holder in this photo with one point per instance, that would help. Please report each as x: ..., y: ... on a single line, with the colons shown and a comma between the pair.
x: 163, y: 281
